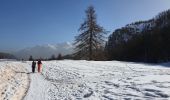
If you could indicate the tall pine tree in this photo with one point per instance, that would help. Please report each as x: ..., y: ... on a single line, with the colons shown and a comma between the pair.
x: 91, y: 38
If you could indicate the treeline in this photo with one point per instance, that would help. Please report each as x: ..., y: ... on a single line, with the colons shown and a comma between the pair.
x: 53, y: 57
x: 6, y: 56
x: 142, y: 41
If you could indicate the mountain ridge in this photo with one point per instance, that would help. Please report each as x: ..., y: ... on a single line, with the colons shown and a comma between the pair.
x: 45, y: 50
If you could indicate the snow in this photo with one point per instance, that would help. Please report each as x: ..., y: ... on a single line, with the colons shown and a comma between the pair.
x: 14, y: 81
x: 38, y: 88
x: 94, y: 80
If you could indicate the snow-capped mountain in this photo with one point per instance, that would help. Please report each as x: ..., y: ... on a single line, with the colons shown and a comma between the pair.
x: 45, y: 51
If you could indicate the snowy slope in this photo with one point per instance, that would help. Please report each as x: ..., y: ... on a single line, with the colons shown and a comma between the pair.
x: 94, y: 80
x: 45, y: 51
x: 14, y: 81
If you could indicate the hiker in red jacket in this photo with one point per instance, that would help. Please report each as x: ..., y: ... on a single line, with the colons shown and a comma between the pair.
x: 39, y: 63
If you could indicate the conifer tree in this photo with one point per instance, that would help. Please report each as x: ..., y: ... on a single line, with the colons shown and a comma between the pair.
x: 91, y: 37
x: 59, y: 56
x: 31, y: 58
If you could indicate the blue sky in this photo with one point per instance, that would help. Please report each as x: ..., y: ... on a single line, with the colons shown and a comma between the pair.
x: 26, y: 23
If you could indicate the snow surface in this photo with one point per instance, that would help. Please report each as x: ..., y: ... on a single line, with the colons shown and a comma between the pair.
x: 97, y: 80
x: 14, y: 81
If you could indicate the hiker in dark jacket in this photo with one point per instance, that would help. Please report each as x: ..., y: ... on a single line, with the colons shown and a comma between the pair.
x: 33, y: 66
x: 39, y: 65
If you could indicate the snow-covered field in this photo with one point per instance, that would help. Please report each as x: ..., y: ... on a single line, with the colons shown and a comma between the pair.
x: 14, y: 81
x: 89, y: 80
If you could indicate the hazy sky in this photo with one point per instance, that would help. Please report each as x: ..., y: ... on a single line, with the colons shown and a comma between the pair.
x: 25, y: 23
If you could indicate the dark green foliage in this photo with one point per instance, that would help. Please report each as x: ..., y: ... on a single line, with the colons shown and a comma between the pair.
x: 52, y: 57
x: 59, y: 57
x: 31, y: 58
x: 152, y: 44
x: 6, y: 56
x: 69, y: 56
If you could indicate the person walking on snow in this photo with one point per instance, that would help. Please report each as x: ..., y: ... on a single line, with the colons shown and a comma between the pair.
x: 39, y: 65
x: 33, y: 66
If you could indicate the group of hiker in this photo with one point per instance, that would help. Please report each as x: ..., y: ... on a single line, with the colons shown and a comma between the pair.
x: 39, y: 63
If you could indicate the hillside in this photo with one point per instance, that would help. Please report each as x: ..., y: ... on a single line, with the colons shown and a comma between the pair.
x: 142, y: 41
x: 6, y: 56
